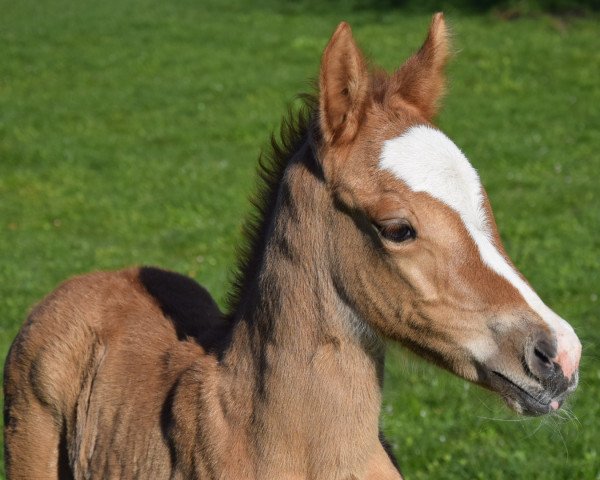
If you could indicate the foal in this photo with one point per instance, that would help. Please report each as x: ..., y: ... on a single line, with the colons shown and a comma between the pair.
x: 372, y: 225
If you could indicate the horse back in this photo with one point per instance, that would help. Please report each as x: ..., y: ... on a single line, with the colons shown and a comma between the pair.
x: 96, y: 364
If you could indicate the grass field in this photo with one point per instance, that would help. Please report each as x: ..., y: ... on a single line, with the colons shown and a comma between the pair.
x: 129, y: 133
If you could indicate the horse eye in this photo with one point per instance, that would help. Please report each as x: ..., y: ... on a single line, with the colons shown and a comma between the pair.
x: 395, y: 231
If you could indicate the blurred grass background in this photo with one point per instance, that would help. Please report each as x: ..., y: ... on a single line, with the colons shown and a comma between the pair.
x: 129, y: 134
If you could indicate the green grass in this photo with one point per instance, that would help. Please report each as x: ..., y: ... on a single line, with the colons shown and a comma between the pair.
x: 129, y: 133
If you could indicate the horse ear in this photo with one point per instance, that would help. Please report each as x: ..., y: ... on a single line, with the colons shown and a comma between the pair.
x: 343, y: 87
x: 421, y: 80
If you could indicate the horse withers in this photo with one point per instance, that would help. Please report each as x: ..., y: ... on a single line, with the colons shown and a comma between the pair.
x: 372, y: 224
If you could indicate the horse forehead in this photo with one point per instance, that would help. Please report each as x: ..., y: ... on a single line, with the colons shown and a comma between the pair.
x: 426, y: 160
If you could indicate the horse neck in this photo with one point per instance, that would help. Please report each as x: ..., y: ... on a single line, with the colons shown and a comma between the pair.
x: 312, y: 376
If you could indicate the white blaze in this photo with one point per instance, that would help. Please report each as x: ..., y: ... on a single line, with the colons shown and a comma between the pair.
x: 428, y: 161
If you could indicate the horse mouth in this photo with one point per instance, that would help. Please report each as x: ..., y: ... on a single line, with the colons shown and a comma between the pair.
x: 524, y: 401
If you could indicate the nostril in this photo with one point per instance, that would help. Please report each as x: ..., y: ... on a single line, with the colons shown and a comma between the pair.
x: 540, y: 359
x: 543, y: 358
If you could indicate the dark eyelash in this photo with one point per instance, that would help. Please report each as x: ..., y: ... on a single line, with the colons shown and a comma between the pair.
x: 396, y: 232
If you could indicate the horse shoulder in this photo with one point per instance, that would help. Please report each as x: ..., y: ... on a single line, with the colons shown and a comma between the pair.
x: 101, y: 354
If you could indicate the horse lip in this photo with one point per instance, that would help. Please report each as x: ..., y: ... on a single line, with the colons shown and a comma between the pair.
x: 527, y: 401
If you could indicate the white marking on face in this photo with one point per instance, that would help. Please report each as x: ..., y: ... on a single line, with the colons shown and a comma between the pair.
x: 428, y: 161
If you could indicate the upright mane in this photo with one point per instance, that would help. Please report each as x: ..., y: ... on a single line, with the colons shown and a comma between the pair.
x: 298, y: 126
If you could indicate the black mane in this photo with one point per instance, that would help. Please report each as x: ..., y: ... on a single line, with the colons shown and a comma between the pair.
x: 297, y: 127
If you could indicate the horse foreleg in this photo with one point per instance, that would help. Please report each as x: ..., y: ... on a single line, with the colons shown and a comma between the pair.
x: 381, y: 467
x: 34, y: 447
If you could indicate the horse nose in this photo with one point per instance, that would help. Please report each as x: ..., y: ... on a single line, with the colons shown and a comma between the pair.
x: 569, y: 361
x: 568, y: 350
x: 556, y: 354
